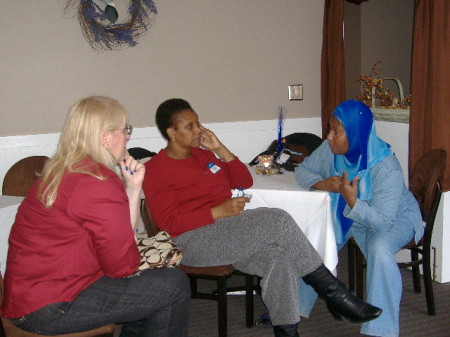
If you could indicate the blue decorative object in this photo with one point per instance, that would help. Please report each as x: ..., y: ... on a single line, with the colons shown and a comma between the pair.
x: 99, y: 27
x: 280, y: 130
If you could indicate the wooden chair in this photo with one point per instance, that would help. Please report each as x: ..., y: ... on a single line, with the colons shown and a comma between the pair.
x: 219, y: 274
x: 22, y: 175
x: 7, y: 329
x: 425, y: 186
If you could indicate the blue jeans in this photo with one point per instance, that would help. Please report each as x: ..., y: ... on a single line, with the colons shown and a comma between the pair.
x: 153, y: 304
x: 383, y: 279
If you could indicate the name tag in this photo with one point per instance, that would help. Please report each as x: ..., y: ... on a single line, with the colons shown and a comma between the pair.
x: 213, y: 167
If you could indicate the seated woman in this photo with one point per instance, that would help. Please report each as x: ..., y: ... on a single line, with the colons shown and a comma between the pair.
x: 370, y: 202
x: 72, y: 253
x: 188, y: 190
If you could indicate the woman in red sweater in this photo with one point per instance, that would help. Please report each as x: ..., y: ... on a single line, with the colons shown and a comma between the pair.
x: 188, y: 191
x: 72, y: 254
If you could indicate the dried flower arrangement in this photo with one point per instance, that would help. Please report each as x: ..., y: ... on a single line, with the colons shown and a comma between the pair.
x: 373, y: 83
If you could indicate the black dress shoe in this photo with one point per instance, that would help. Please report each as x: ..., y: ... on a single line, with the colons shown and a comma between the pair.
x: 286, y: 330
x: 341, y: 303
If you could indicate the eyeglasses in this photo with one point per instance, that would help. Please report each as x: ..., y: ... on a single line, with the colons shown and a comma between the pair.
x: 128, y: 129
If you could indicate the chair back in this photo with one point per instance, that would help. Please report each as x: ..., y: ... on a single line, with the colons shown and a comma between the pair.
x: 298, y: 145
x: 150, y: 226
x: 424, y: 183
x: 22, y: 175
x: 140, y: 153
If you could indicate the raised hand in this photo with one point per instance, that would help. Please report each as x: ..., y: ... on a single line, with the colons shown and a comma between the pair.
x: 132, y: 171
x: 209, y: 139
x: 349, y: 190
x: 211, y: 142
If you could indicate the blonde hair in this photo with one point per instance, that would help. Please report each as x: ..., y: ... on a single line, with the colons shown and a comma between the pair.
x: 81, y: 136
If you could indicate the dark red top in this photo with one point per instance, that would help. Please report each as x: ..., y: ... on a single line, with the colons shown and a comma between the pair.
x: 181, y: 193
x: 56, y: 253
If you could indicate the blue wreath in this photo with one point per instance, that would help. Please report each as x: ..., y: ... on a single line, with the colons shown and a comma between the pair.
x: 99, y: 27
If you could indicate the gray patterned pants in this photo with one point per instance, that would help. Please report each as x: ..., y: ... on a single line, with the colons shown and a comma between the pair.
x: 266, y: 242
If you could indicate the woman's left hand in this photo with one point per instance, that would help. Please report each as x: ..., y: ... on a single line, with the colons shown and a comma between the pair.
x: 132, y: 171
x: 349, y: 190
x: 209, y: 139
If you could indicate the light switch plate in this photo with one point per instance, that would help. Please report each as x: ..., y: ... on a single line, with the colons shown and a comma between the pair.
x: 295, y: 92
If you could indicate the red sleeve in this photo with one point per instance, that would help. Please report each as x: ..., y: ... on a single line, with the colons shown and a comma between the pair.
x: 101, y: 207
x: 239, y: 174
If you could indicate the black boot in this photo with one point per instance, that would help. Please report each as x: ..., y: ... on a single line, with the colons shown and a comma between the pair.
x: 341, y: 303
x: 286, y: 330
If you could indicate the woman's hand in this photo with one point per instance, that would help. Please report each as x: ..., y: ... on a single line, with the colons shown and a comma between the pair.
x: 349, y: 190
x: 209, y: 139
x: 230, y: 207
x: 211, y: 142
x: 132, y: 171
x: 133, y: 175
x: 331, y: 184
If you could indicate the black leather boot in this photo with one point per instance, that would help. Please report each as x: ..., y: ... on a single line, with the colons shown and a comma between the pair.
x: 286, y: 330
x: 341, y: 303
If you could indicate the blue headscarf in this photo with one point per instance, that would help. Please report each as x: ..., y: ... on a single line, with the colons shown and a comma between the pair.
x: 365, y: 150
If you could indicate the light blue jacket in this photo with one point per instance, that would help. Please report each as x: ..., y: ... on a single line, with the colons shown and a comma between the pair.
x: 392, y: 203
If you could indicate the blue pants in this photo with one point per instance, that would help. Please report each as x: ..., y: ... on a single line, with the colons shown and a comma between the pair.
x: 383, y: 279
x: 154, y: 304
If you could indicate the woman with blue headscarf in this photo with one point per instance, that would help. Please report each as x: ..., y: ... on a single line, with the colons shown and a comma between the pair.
x: 370, y: 203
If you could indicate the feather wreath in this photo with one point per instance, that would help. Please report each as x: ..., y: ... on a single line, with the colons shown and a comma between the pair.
x: 99, y: 27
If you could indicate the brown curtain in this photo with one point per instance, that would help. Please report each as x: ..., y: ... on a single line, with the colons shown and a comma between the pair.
x: 332, y: 71
x: 429, y: 126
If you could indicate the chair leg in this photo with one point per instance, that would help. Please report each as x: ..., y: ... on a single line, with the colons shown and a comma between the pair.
x: 360, y: 261
x: 222, y: 306
x: 351, y: 265
x: 428, y: 282
x: 416, y: 272
x: 2, y: 331
x: 249, y: 308
x: 193, y: 284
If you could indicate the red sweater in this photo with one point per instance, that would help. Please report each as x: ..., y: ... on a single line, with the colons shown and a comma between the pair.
x: 181, y: 193
x: 54, y: 254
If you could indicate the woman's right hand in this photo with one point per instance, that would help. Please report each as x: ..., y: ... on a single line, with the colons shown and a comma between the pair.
x: 230, y: 207
x: 331, y: 184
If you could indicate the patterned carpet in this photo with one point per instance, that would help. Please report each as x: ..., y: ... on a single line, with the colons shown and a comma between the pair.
x: 414, y: 321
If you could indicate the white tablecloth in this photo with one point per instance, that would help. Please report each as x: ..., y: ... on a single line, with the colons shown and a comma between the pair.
x: 8, y: 210
x: 311, y: 210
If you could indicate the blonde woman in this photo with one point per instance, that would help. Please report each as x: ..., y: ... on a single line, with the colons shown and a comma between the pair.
x: 72, y: 253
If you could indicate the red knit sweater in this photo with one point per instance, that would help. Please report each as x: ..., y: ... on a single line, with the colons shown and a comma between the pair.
x: 181, y: 193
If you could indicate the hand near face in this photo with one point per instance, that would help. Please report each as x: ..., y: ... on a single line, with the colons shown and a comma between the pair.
x: 132, y: 171
x: 349, y: 190
x: 209, y: 139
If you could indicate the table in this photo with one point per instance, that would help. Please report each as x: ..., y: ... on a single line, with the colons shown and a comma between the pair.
x: 8, y: 210
x: 310, y: 209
